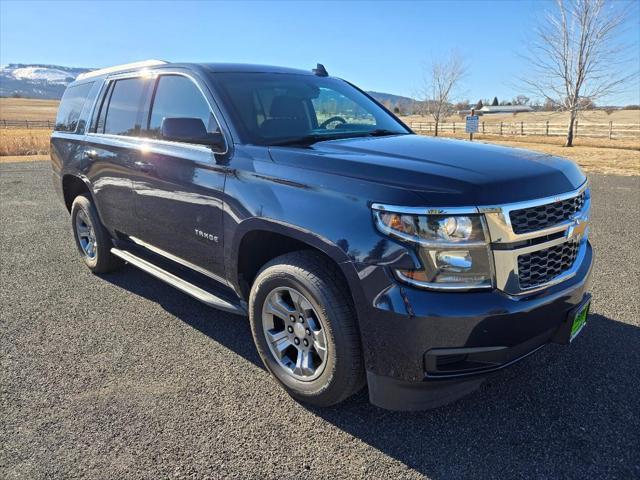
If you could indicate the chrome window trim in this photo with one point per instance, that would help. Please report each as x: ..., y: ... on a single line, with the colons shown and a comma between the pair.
x: 497, y: 222
x: 154, y: 74
x: 144, y: 143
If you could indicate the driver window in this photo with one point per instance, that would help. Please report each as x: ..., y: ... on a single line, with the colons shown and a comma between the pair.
x: 177, y: 96
x: 335, y: 109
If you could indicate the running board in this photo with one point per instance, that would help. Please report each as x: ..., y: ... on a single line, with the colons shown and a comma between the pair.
x: 196, y: 292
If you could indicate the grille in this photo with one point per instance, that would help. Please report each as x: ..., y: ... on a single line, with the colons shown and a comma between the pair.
x: 536, y: 218
x: 540, y: 267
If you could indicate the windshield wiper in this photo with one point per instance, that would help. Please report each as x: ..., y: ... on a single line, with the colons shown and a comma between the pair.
x: 383, y: 132
x: 306, y: 140
x: 310, y: 139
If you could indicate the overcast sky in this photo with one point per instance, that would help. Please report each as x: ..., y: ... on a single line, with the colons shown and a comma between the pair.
x: 380, y: 46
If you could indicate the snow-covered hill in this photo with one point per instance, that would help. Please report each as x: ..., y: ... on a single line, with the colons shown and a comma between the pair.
x: 49, y: 81
x: 36, y: 81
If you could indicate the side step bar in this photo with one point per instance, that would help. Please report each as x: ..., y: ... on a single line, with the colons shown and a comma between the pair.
x: 196, y: 292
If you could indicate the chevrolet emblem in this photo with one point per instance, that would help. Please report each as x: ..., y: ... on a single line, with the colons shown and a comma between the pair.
x: 577, y: 229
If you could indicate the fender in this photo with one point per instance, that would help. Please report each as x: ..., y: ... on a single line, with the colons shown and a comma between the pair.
x: 314, y: 240
x: 87, y: 183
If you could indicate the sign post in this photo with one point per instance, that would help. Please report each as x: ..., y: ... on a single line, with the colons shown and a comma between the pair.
x: 471, y: 125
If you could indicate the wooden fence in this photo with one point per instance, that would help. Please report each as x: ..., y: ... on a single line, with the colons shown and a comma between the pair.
x: 609, y: 130
x: 48, y: 124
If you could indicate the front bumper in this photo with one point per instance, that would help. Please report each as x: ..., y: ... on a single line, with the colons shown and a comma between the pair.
x: 423, y: 348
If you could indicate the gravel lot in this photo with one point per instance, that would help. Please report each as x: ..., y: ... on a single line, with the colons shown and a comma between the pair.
x: 120, y: 376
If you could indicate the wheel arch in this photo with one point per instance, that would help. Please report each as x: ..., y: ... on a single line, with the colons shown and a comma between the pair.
x: 74, y: 185
x: 275, y: 239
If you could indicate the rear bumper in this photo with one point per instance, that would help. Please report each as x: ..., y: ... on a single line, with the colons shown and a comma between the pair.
x: 424, y: 349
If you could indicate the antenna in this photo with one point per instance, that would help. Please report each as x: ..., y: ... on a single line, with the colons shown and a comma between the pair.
x: 320, y: 71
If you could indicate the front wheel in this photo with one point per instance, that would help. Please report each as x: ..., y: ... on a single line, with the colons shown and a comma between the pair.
x: 305, y: 329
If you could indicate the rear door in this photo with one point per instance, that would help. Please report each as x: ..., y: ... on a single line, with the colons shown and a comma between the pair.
x: 179, y: 186
x: 112, y: 148
x: 67, y: 140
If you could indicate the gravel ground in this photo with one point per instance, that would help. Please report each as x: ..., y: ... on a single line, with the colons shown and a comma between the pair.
x: 120, y: 376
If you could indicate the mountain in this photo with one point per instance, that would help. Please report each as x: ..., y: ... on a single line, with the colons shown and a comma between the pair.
x: 35, y: 80
x: 49, y: 81
x: 394, y: 100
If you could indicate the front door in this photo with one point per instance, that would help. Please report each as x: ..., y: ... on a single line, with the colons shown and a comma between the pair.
x: 179, y: 186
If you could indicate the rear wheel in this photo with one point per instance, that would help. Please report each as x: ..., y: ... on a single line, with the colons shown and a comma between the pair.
x: 305, y: 329
x: 92, y: 239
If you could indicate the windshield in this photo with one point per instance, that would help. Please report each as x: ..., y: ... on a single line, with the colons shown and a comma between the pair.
x: 290, y: 109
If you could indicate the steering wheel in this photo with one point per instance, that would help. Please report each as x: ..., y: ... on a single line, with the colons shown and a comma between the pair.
x: 331, y: 120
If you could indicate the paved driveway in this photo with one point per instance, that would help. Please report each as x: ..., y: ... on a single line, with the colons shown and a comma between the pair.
x: 120, y: 376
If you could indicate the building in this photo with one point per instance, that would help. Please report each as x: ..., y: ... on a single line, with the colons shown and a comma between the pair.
x: 487, y: 109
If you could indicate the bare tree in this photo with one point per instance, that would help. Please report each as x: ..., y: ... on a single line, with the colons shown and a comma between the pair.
x: 576, y: 55
x: 521, y: 100
x: 440, y: 81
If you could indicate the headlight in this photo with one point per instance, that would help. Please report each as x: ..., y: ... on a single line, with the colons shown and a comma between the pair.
x: 453, y: 249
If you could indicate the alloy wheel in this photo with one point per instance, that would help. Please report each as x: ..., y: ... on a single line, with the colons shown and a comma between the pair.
x: 86, y: 235
x: 295, y: 334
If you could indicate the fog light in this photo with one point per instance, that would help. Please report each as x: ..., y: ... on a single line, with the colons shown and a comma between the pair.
x: 454, y: 260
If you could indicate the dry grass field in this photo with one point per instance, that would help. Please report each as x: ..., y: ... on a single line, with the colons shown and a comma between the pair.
x: 618, y: 156
x: 22, y: 141
x: 592, y: 116
x: 28, y: 109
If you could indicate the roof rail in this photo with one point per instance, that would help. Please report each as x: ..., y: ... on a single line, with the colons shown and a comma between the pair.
x: 117, y: 68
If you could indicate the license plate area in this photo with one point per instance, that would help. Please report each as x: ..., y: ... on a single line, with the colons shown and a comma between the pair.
x: 579, y: 319
x: 574, y: 322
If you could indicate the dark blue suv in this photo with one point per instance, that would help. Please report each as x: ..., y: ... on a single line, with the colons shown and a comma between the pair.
x: 361, y: 252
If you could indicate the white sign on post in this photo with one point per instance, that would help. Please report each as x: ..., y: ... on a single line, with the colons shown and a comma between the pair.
x: 471, y: 125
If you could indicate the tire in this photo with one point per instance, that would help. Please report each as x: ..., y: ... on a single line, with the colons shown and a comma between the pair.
x: 87, y: 227
x: 307, y: 278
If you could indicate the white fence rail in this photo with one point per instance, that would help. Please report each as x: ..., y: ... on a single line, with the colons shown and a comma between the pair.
x: 609, y: 130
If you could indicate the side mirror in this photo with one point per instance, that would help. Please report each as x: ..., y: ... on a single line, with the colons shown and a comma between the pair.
x: 191, y: 130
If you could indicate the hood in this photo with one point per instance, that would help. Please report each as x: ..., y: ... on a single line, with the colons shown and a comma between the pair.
x: 443, y: 172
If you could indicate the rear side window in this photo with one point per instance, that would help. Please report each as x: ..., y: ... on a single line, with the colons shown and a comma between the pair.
x: 71, y: 106
x: 123, y: 112
x: 178, y: 97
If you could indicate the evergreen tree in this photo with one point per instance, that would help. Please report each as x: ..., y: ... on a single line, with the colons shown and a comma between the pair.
x: 479, y: 105
x: 495, y: 102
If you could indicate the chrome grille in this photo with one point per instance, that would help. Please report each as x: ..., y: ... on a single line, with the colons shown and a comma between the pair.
x: 539, y: 217
x: 539, y: 267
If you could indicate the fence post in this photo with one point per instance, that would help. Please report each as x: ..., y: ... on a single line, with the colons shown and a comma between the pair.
x: 483, y: 126
x: 610, y: 129
x: 500, y: 128
x: 454, y: 127
x: 547, y: 129
x: 575, y: 133
x: 27, y: 122
x: 521, y: 128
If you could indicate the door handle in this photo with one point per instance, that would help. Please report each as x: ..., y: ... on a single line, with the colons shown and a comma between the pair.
x: 90, y: 154
x: 144, y: 166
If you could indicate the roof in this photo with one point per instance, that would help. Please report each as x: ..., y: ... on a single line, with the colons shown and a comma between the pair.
x: 120, y: 68
x: 249, y: 68
x: 505, y: 108
x: 210, y: 67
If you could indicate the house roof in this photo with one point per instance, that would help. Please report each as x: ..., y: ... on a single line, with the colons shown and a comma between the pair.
x: 506, y: 108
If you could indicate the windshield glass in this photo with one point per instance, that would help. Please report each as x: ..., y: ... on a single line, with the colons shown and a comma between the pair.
x: 281, y: 109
